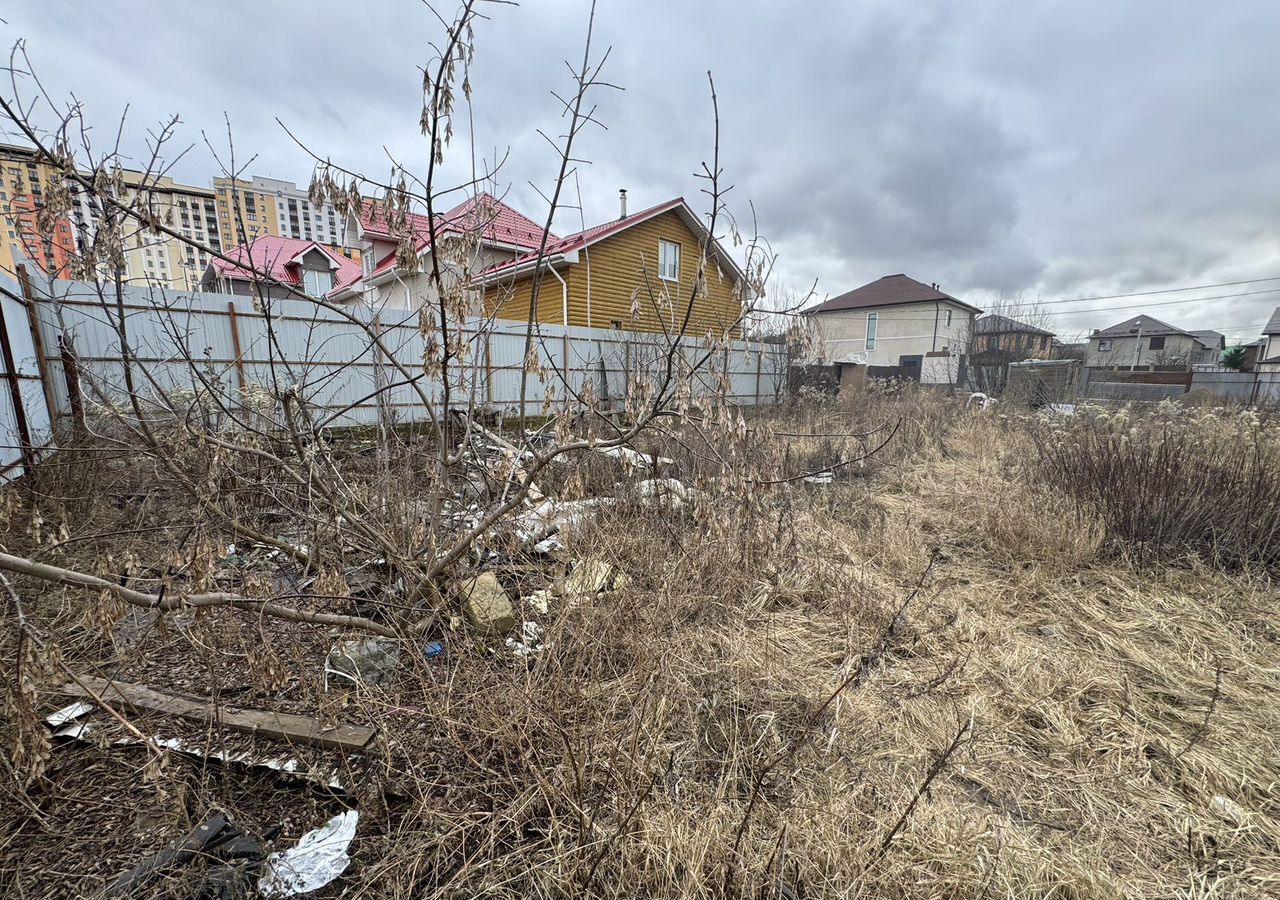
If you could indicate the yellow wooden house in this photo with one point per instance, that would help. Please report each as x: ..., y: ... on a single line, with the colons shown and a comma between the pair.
x: 635, y: 273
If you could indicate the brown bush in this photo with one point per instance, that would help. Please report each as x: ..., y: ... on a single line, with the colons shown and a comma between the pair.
x: 1172, y: 483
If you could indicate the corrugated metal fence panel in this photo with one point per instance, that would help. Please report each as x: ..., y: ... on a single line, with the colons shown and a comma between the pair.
x: 329, y: 356
x: 1243, y: 387
x: 1227, y: 384
x: 1133, y: 391
x: 25, y: 375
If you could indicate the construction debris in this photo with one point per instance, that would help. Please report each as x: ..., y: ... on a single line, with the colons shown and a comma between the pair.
x: 239, y: 856
x: 550, y: 516
x: 280, y: 726
x: 540, y: 600
x: 590, y: 576
x: 664, y: 492
x: 486, y: 605
x: 319, y: 857
x: 369, y: 662
x: 632, y: 459
x: 530, y: 643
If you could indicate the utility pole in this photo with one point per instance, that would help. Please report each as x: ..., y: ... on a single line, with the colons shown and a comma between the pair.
x: 1137, y: 350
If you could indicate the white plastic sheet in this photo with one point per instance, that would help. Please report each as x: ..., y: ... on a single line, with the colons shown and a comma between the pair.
x: 319, y: 857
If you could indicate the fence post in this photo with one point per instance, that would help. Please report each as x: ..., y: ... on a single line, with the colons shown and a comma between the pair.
x: 383, y: 405
x: 567, y: 381
x: 15, y: 393
x: 759, y: 363
x: 235, y: 346
x: 488, y: 367
x: 728, y: 374
x: 37, y: 340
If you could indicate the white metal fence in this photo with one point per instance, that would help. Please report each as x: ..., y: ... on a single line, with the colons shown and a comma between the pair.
x: 331, y: 361
x: 24, y: 410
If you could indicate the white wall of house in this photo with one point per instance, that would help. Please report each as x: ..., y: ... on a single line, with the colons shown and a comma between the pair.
x: 1132, y: 350
x: 403, y: 291
x: 1272, y: 347
x: 904, y: 330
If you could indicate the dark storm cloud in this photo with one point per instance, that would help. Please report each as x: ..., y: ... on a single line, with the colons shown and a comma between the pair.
x: 1032, y: 150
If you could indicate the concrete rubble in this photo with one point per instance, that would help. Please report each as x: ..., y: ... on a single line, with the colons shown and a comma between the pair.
x: 370, y: 662
x: 590, y: 576
x: 486, y: 606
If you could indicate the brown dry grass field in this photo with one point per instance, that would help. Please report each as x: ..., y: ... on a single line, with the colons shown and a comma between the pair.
x: 1011, y: 655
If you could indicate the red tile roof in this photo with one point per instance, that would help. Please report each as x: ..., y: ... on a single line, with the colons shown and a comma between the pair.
x: 500, y: 223
x: 374, y: 223
x: 274, y: 255
x: 887, y: 291
x: 497, y: 223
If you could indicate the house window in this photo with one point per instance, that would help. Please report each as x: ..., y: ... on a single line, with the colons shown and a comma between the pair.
x: 1104, y: 346
x: 317, y: 282
x: 668, y: 260
x: 1157, y: 343
x: 873, y: 326
x: 948, y: 318
x: 1044, y: 341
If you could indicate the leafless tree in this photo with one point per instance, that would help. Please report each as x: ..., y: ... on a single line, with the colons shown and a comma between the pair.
x: 1010, y: 330
x: 258, y: 461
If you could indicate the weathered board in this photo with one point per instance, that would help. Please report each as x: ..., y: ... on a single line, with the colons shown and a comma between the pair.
x: 279, y: 726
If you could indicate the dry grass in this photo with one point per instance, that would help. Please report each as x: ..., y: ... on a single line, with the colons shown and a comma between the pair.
x: 1118, y: 732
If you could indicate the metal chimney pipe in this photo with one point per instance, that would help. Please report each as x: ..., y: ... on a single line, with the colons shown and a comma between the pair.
x: 622, y: 203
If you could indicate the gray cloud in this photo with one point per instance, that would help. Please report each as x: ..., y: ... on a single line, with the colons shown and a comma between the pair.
x: 1034, y: 150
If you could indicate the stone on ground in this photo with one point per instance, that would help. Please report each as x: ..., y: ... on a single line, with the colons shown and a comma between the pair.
x: 486, y: 605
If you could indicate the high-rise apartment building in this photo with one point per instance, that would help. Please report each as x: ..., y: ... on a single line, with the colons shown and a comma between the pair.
x: 245, y: 211
x: 280, y: 208
x: 23, y: 182
x: 152, y: 258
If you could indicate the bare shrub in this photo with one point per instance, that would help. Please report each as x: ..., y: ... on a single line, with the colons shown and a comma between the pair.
x: 1174, y: 482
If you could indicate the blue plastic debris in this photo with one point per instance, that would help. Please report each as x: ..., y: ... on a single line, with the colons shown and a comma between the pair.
x: 433, y: 649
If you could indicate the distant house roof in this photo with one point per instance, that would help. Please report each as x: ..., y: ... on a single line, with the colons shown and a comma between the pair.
x: 997, y: 324
x: 1148, y: 325
x: 563, y: 249
x: 1210, y: 340
x: 496, y: 222
x: 279, y: 258
x: 1273, y: 324
x: 890, y: 290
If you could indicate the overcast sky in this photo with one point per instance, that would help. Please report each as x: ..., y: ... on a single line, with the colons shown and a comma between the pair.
x: 1050, y: 150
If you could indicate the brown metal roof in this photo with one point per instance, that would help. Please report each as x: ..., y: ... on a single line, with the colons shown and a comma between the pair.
x: 997, y: 324
x: 887, y: 291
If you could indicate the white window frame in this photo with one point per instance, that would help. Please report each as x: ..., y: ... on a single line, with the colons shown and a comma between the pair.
x: 1104, y: 345
x: 665, y: 247
x: 312, y: 285
x: 948, y: 318
x: 873, y: 330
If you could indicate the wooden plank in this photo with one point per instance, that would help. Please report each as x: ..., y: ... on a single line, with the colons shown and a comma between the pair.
x: 278, y: 726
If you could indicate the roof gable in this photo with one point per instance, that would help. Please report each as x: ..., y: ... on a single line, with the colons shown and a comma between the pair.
x: 278, y: 257
x: 992, y: 323
x: 891, y: 290
x: 565, y: 249
x: 1273, y: 324
x: 1148, y: 325
x: 1210, y: 340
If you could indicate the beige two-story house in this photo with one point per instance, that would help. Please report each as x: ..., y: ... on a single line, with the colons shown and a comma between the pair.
x: 896, y: 322
x: 1144, y: 344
